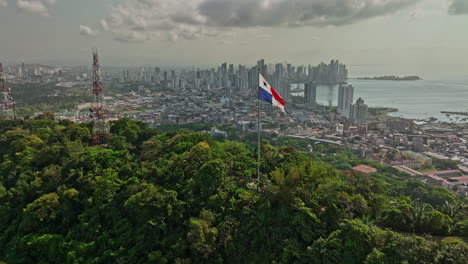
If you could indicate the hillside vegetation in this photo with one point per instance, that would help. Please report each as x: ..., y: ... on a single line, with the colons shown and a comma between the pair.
x: 181, y: 197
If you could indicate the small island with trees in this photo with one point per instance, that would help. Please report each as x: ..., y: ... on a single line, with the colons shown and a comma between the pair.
x: 392, y: 78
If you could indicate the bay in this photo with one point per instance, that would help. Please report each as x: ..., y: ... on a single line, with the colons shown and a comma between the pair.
x: 414, y: 99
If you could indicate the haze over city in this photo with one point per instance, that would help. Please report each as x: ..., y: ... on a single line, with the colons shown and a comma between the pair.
x: 425, y: 37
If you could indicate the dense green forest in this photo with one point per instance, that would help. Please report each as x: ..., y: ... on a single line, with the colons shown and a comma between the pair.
x: 148, y: 196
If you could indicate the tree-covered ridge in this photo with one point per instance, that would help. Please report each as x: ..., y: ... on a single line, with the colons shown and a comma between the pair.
x: 179, y: 197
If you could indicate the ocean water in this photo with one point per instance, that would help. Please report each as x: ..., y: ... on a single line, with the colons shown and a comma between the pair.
x: 414, y: 99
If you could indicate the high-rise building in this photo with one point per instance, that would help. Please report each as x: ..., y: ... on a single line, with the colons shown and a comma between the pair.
x: 300, y: 71
x: 262, y: 67
x: 277, y: 78
x: 286, y: 91
x: 345, y: 99
x: 23, y: 69
x: 279, y: 69
x: 359, y: 112
x: 310, y: 94
x: 243, y: 79
x: 142, y: 74
x: 223, y: 70
x: 277, y: 83
x: 252, y: 76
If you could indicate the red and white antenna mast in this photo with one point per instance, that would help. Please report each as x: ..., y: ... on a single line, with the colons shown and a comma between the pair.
x: 100, y: 125
x: 7, y: 106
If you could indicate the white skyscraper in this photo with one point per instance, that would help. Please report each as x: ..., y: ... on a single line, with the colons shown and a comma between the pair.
x: 345, y: 99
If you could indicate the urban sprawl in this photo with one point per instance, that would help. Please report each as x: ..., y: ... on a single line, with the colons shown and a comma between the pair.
x: 227, y: 95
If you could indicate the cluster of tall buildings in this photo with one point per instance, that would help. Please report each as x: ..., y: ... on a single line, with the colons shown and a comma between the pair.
x: 169, y: 78
x: 356, y: 113
x: 241, y: 78
x: 31, y: 70
x: 333, y: 73
x: 281, y: 76
x: 233, y: 79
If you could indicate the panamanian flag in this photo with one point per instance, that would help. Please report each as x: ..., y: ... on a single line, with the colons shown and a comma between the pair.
x: 267, y: 94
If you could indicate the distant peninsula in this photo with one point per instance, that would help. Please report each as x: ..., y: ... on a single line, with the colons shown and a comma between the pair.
x: 392, y: 78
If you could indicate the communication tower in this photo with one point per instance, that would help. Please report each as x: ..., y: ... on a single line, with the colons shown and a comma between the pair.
x: 7, y: 105
x: 98, y: 109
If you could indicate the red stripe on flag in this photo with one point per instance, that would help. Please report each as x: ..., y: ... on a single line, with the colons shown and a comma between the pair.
x: 277, y: 97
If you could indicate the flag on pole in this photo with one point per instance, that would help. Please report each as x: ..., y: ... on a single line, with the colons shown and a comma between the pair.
x: 267, y: 94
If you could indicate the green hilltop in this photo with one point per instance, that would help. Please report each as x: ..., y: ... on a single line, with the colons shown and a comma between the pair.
x: 182, y: 197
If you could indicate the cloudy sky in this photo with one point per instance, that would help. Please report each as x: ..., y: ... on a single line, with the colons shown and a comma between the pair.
x: 374, y: 36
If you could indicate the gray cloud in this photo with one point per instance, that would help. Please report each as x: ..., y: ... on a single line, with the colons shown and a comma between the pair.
x: 459, y: 7
x: 104, y: 25
x: 190, y: 19
x: 134, y: 37
x: 35, y: 6
x: 87, y: 31
x: 3, y: 3
x: 32, y: 7
x: 248, y: 13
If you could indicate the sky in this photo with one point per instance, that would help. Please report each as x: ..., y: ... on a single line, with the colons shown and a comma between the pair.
x: 422, y: 37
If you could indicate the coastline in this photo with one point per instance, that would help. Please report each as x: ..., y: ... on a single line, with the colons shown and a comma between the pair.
x: 390, y: 78
x: 387, y: 111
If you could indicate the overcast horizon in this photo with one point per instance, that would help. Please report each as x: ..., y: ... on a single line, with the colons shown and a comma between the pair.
x: 424, y: 37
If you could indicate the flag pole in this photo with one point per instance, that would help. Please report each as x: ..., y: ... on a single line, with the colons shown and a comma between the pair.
x: 258, y: 127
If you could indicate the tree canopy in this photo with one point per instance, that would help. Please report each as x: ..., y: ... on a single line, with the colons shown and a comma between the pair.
x: 182, y: 197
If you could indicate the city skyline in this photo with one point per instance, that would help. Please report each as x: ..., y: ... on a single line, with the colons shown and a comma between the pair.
x: 374, y: 37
